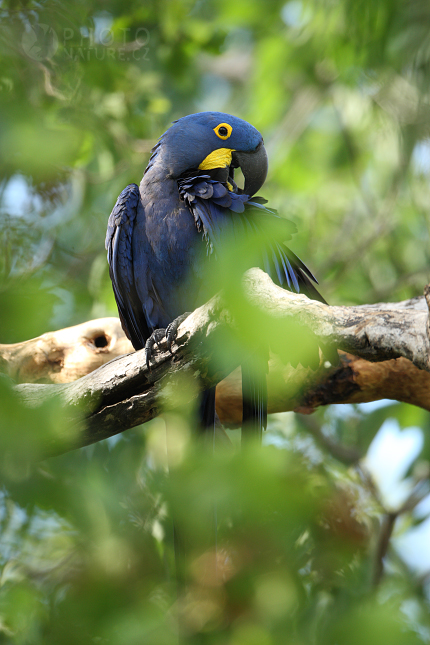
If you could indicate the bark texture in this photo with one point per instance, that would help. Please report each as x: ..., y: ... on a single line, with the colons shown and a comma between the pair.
x: 384, y: 354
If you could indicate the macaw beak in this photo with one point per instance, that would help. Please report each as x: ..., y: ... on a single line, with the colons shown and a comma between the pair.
x: 254, y: 167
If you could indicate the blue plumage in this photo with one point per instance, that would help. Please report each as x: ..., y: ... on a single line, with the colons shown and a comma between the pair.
x: 187, y: 204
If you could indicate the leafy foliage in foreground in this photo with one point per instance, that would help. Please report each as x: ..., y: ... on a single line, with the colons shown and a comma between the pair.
x: 87, y: 547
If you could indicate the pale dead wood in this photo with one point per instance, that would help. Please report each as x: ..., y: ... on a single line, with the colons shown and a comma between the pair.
x: 123, y: 394
x: 65, y: 355
x: 372, y: 333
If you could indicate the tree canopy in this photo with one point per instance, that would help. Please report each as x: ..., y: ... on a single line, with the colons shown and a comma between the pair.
x: 311, y: 550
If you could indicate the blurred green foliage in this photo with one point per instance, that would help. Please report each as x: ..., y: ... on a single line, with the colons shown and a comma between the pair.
x: 340, y: 91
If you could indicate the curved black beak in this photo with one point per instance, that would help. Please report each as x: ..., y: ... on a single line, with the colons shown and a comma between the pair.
x: 254, y: 166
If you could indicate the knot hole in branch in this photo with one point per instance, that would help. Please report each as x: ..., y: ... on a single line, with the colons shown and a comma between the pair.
x: 100, y: 341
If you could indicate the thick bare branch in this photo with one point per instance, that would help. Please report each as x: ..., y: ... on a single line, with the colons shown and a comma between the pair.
x: 65, y: 355
x: 368, y: 332
x: 123, y: 393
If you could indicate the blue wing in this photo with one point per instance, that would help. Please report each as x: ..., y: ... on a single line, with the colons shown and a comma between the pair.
x: 215, y: 209
x: 120, y: 257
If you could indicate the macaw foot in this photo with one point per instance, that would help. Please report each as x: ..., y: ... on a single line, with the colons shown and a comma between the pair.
x: 155, y: 339
x: 157, y: 336
x: 172, y: 329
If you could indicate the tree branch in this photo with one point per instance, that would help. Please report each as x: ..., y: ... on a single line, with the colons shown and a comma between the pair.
x: 65, y: 355
x: 123, y: 393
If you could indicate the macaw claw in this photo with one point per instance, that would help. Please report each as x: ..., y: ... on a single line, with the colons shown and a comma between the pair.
x: 172, y: 329
x: 155, y: 339
x: 157, y: 336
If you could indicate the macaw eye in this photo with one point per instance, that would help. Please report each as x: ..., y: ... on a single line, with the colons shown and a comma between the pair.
x: 223, y: 130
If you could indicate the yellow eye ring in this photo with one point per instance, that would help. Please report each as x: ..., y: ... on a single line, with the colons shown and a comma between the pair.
x: 223, y: 130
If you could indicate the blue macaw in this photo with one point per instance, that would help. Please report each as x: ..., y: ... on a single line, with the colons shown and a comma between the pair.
x: 187, y: 201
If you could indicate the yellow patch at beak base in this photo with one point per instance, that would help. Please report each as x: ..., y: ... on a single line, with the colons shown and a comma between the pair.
x: 217, y: 159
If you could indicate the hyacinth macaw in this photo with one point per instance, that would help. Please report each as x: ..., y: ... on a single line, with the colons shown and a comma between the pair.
x: 162, y: 234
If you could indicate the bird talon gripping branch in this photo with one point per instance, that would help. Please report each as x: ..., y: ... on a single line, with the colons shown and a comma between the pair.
x: 172, y: 329
x: 155, y: 339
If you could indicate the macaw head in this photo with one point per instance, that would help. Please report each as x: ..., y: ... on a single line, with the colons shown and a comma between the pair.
x: 218, y: 143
